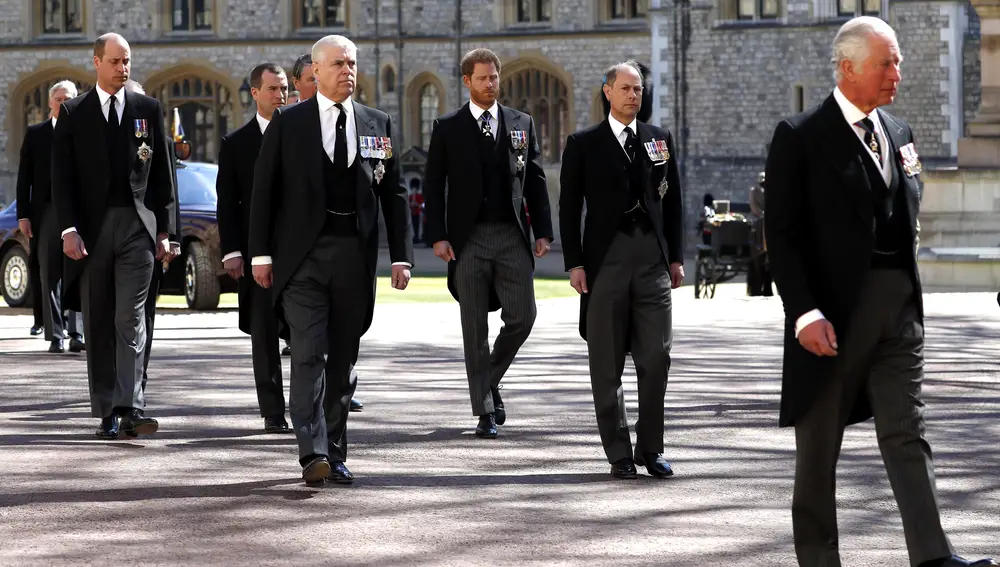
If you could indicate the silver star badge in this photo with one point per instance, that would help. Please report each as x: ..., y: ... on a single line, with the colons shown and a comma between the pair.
x: 379, y: 172
x: 144, y: 152
x: 663, y: 187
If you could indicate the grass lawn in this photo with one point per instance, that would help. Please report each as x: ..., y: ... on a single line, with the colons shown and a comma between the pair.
x: 421, y: 290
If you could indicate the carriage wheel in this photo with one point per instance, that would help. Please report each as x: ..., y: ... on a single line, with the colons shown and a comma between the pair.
x: 703, y: 276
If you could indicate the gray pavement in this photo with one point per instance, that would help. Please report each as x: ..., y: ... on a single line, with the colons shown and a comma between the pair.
x: 209, y: 489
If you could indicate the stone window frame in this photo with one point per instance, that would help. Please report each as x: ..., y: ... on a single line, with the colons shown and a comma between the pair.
x: 50, y: 72
x: 511, y: 8
x: 297, y: 15
x: 364, y: 90
x: 415, y: 112
x: 37, y: 12
x: 832, y: 11
x: 168, y: 19
x: 861, y: 8
x: 634, y: 10
x: 732, y: 11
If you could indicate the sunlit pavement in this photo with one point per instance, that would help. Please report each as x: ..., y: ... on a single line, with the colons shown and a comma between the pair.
x: 212, y: 489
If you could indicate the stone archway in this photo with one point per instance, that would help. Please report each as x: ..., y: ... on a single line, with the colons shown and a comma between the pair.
x: 536, y: 86
x: 29, y: 98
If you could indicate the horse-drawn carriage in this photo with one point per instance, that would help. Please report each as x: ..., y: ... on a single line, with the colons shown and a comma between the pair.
x: 730, y: 247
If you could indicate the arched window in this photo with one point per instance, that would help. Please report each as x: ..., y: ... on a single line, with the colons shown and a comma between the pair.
x: 429, y: 103
x: 36, y: 101
x: 206, y: 112
x: 546, y: 98
x: 389, y: 79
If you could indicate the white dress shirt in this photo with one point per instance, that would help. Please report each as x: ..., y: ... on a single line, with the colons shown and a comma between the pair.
x: 477, y: 113
x: 619, y: 130
x: 853, y: 115
x: 262, y: 123
x: 328, y: 115
x: 104, y: 97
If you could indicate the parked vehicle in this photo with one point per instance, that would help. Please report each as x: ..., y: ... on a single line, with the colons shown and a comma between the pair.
x: 197, y: 274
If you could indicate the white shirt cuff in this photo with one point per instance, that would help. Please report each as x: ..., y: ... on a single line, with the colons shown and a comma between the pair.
x: 806, y: 319
x: 260, y: 260
x: 25, y: 218
x: 571, y: 269
x: 407, y: 264
x: 68, y: 230
x: 231, y: 255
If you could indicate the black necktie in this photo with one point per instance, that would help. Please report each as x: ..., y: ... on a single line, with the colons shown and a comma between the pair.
x: 871, y: 138
x: 630, y: 143
x: 112, y: 128
x: 485, y: 125
x: 340, y: 144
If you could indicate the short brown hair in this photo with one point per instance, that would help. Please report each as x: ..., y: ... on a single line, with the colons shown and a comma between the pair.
x: 257, y: 74
x: 480, y: 55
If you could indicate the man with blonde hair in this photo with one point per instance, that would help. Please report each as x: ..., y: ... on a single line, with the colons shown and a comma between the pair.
x: 843, y: 194
x: 37, y: 220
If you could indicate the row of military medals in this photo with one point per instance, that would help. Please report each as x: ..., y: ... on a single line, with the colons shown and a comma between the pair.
x: 658, y: 154
x: 376, y: 147
x: 142, y: 132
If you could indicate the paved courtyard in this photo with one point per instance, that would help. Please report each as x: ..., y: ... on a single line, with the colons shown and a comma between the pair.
x: 211, y: 489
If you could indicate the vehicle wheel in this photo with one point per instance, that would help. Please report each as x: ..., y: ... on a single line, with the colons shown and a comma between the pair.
x: 201, y: 285
x: 16, y: 279
x: 704, y: 277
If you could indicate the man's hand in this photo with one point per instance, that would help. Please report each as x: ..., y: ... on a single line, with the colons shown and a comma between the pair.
x: 263, y: 276
x: 578, y: 280
x: 676, y: 275
x: 400, y: 276
x: 542, y: 247
x: 234, y: 266
x: 442, y: 249
x: 162, y: 245
x: 174, y: 252
x: 73, y: 246
x: 819, y: 338
x: 24, y: 225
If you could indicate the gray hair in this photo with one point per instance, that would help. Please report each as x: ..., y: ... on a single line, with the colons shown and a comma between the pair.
x: 133, y: 86
x: 852, y: 42
x: 612, y: 73
x: 65, y: 85
x: 319, y: 48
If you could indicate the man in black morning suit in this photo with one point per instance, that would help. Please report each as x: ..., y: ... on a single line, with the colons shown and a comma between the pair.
x: 36, y: 218
x: 114, y: 201
x: 842, y: 202
x: 234, y: 185
x: 488, y: 156
x: 625, y: 171
x: 325, y: 168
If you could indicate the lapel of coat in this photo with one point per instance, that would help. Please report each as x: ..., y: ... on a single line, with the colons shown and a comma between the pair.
x: 364, y: 124
x: 613, y: 151
x: 97, y: 131
x: 129, y: 115
x: 844, y: 150
x: 311, y: 139
x: 896, y: 134
x: 512, y: 123
x: 470, y: 132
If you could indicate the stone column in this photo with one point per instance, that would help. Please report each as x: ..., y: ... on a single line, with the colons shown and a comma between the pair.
x: 982, y: 146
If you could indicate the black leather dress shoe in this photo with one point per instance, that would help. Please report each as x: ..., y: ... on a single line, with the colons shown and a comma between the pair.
x: 339, y: 474
x: 135, y: 424
x: 655, y: 465
x: 956, y: 561
x: 287, y: 351
x: 315, y: 471
x: 36, y: 330
x: 56, y: 347
x: 623, y: 468
x: 276, y: 424
x: 77, y: 345
x: 108, y: 428
x: 356, y: 405
x: 487, y: 428
x: 498, y: 410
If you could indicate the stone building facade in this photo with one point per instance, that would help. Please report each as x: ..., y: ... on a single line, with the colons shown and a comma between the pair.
x: 731, y: 70
x: 196, y: 55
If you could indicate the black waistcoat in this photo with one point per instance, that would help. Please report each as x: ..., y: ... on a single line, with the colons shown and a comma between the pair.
x: 340, y: 186
x: 496, y: 205
x: 892, y: 222
x: 120, y: 161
